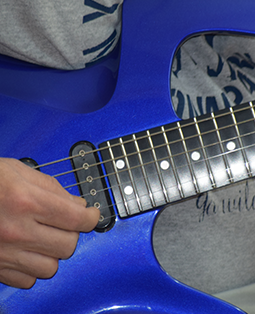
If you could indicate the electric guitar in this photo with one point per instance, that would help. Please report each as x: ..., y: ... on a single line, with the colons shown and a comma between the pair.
x: 116, y: 140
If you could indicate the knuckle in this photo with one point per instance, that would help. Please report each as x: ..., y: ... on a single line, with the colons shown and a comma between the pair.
x: 76, y: 220
x: 84, y: 220
x: 23, y: 200
x: 10, y: 233
x: 11, y: 162
x: 16, y: 279
x: 28, y: 283
x: 50, y: 269
x: 79, y: 200
x: 25, y: 203
x: 53, y: 180
x: 91, y: 219
x: 70, y: 245
x: 48, y: 182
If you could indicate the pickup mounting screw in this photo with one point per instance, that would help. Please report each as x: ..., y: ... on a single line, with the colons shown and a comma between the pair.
x: 93, y: 192
x: 97, y: 205
x: 85, y: 166
x: 82, y: 153
x: 89, y: 179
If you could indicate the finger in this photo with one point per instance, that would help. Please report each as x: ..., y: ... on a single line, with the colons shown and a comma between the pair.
x: 78, y: 200
x: 16, y: 279
x: 32, y: 264
x: 46, y: 182
x: 37, y: 178
x: 66, y: 214
x: 43, y: 180
x: 53, y: 242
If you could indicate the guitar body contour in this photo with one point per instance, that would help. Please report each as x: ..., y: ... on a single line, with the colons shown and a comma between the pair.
x: 114, y: 271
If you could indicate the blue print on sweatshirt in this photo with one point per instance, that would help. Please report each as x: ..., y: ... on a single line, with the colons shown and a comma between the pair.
x: 208, y: 103
x: 108, y: 42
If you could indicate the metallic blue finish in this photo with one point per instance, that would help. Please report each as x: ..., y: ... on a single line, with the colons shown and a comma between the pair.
x: 66, y: 90
x: 116, y: 271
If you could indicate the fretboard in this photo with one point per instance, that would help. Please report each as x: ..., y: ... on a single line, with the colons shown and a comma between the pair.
x: 175, y: 161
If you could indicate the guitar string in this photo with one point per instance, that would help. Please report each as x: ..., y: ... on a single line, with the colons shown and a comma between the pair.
x: 200, y: 160
x: 171, y: 143
x: 236, y: 179
x: 155, y: 174
x: 149, y: 149
x: 156, y: 147
x: 250, y: 106
x: 154, y: 134
x: 138, y: 166
x: 158, y: 160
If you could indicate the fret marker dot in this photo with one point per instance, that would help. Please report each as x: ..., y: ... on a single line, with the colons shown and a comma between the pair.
x: 195, y: 156
x: 164, y: 165
x: 231, y: 145
x: 128, y: 190
x: 120, y: 164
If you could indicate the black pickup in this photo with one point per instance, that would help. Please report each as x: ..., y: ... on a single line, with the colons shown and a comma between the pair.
x: 91, y: 182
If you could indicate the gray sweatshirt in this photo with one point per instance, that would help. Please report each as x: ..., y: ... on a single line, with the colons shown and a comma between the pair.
x: 65, y: 34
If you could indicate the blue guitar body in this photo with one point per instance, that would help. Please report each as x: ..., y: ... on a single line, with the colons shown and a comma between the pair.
x: 113, y: 271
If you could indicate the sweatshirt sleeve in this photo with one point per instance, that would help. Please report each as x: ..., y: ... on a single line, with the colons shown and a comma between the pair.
x: 60, y: 34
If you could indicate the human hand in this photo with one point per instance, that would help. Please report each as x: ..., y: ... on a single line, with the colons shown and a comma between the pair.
x: 39, y: 224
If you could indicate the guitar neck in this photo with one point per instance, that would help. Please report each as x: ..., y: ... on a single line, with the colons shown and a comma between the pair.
x: 175, y: 161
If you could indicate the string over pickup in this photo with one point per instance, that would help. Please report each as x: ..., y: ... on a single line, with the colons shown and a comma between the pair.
x: 91, y: 182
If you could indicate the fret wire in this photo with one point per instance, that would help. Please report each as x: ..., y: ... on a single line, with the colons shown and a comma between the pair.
x: 144, y: 172
x: 118, y: 180
x: 229, y: 173
x: 170, y: 129
x: 211, y: 131
x: 157, y: 167
x: 251, y: 106
x: 176, y: 176
x: 187, y: 138
x: 246, y: 162
x: 117, y: 203
x: 192, y: 123
x: 155, y: 174
x: 208, y: 166
x: 252, y: 110
x: 180, y: 167
x: 188, y: 159
x: 158, y: 146
x: 239, y: 178
x: 131, y: 176
x: 119, y: 185
x: 191, y: 150
x: 98, y: 150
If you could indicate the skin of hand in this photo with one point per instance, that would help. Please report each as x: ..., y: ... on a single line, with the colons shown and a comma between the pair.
x: 39, y: 224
